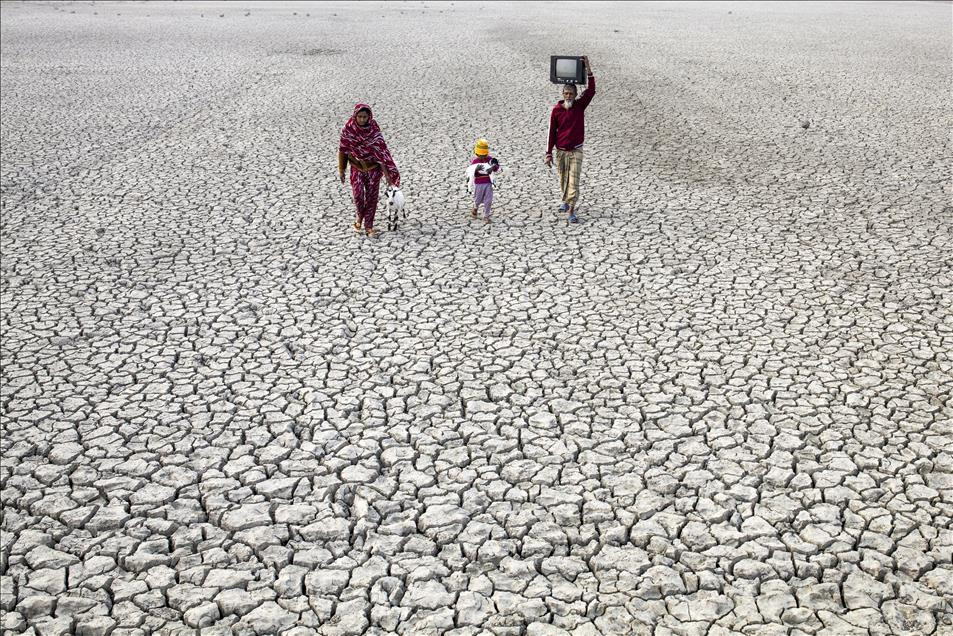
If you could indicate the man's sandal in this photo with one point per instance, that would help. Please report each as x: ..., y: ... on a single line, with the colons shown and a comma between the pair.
x: 357, y: 227
x: 372, y: 232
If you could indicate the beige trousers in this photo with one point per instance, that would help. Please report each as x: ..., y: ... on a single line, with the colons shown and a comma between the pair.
x: 569, y: 167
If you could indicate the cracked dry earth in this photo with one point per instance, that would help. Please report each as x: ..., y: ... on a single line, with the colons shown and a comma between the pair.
x: 721, y: 405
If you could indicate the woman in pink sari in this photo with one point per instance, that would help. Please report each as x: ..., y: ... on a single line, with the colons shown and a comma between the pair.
x: 363, y: 147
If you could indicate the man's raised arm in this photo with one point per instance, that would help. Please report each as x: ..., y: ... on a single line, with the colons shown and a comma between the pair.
x: 590, y: 91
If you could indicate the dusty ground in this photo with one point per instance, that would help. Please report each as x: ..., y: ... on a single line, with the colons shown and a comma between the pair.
x: 719, y: 405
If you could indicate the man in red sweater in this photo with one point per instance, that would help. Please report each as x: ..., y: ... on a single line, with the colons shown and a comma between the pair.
x: 567, y: 130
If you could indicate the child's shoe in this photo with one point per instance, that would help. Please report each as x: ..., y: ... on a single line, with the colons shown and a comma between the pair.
x: 473, y: 213
x: 564, y: 207
x: 572, y: 217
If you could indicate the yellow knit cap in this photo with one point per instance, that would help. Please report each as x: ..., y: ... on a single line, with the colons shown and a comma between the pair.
x: 482, y: 147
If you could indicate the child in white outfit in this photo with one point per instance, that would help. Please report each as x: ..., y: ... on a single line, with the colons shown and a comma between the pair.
x: 480, y: 175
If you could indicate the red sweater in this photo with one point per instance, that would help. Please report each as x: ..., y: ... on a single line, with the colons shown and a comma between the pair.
x: 567, y: 126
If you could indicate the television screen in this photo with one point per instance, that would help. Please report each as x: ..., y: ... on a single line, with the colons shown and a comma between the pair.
x: 566, y: 69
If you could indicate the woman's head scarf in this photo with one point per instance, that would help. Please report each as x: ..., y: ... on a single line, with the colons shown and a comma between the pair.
x: 366, y: 143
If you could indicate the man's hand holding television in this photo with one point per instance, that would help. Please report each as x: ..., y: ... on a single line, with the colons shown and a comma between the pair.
x: 585, y: 60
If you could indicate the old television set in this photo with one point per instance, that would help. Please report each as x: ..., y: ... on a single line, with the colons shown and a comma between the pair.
x: 567, y: 69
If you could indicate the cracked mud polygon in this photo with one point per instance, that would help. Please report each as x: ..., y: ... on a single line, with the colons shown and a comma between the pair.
x: 719, y: 405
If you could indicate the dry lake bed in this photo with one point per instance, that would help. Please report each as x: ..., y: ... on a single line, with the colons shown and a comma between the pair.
x: 719, y: 405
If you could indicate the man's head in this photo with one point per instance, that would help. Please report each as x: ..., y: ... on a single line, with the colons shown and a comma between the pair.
x: 569, y: 94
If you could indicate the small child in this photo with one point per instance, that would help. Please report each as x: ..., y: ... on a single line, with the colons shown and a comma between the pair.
x: 480, y: 178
